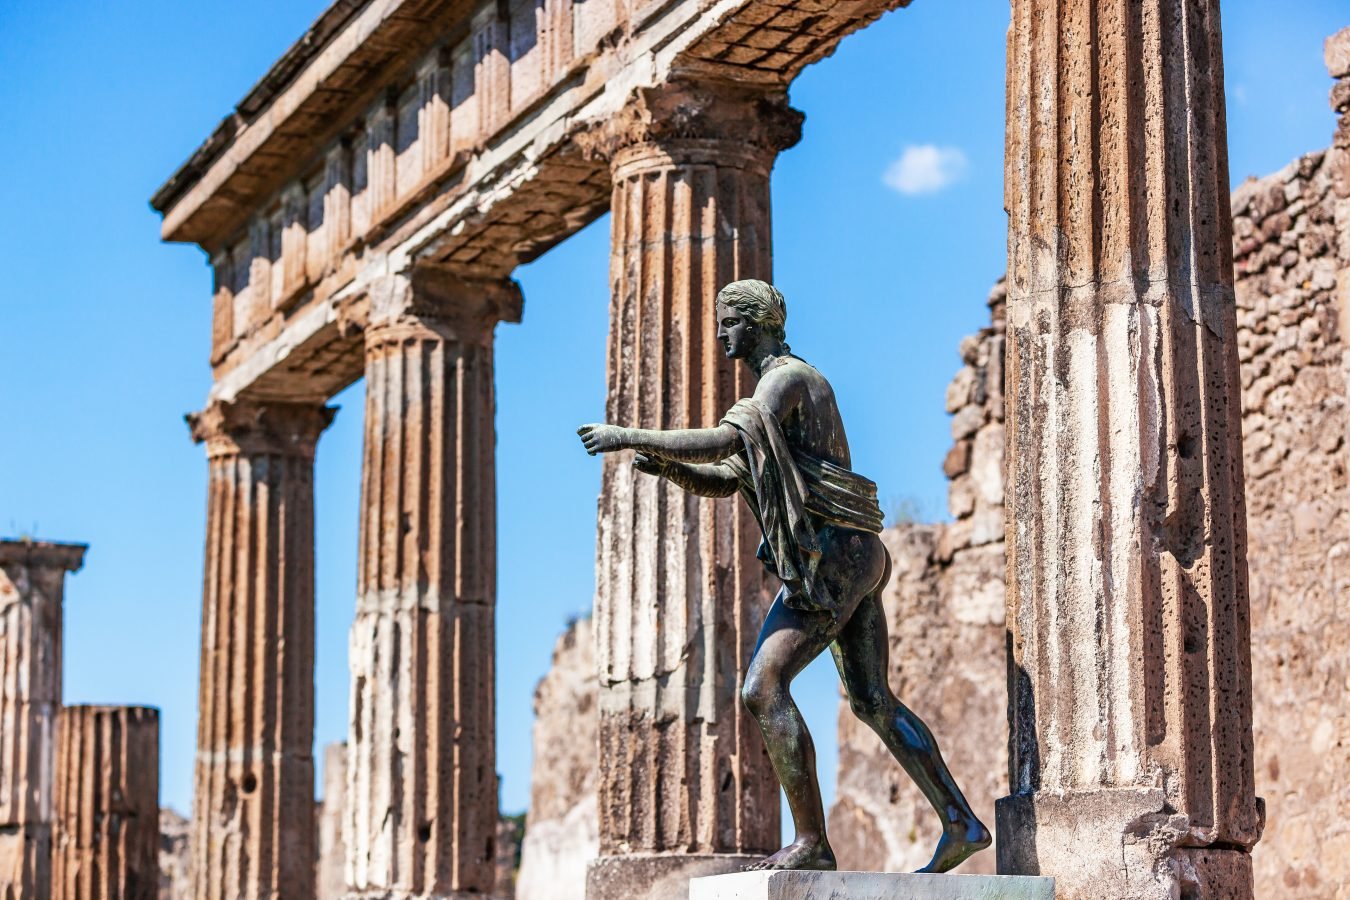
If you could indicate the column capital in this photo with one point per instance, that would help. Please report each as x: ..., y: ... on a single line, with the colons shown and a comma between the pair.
x: 432, y: 298
x: 42, y: 554
x: 260, y: 427
x: 696, y: 121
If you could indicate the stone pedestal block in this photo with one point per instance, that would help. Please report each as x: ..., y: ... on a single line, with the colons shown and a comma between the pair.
x: 657, y: 876
x: 32, y: 583
x: 107, y: 804
x: 870, y: 886
x: 1048, y: 832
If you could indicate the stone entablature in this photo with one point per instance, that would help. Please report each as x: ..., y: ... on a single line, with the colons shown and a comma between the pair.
x: 429, y: 130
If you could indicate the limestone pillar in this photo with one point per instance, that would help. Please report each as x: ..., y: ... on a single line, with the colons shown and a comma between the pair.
x: 686, y: 787
x: 107, y: 804
x: 1129, y: 671
x: 253, y: 797
x: 32, y: 582
x: 421, y: 763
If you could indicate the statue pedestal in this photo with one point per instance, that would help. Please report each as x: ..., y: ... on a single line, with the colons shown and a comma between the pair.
x: 869, y: 886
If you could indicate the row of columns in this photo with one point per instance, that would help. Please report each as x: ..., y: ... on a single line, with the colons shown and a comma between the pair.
x: 79, y: 785
x: 1129, y: 673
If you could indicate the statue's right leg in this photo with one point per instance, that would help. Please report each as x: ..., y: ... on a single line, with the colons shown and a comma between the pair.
x: 789, y: 640
x: 862, y: 653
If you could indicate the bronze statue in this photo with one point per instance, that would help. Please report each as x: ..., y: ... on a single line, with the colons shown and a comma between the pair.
x: 785, y: 451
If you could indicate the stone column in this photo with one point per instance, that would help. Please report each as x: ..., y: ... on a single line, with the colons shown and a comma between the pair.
x: 686, y: 787
x: 32, y: 582
x: 1130, y: 666
x: 107, y: 804
x: 253, y: 798
x: 421, y: 758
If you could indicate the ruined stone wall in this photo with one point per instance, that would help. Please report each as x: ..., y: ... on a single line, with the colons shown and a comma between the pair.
x: 1298, y: 514
x: 562, y: 827
x: 945, y: 614
x: 174, y: 856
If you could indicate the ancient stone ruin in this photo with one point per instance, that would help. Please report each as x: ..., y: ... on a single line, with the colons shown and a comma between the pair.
x: 79, y: 785
x: 363, y: 209
x: 946, y: 600
x: 562, y: 827
x: 1290, y: 247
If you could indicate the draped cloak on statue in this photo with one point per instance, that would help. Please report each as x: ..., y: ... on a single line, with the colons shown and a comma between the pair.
x: 792, y: 495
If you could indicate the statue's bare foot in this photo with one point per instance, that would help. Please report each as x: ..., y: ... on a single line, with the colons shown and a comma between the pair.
x: 958, y: 842
x: 803, y: 853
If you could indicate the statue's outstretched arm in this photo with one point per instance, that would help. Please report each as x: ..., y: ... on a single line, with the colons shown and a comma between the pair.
x: 691, y: 445
x: 715, y: 480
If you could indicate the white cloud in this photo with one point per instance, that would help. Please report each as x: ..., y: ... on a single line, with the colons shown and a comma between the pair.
x: 925, y: 169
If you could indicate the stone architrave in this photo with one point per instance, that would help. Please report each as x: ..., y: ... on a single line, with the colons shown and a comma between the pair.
x: 253, y: 798
x: 1130, y: 663
x: 685, y: 785
x: 421, y: 764
x: 107, y: 804
x: 32, y: 584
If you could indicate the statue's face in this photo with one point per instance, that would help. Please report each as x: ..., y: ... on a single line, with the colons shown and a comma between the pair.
x: 736, y: 332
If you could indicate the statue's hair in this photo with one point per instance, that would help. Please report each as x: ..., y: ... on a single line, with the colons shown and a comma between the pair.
x: 760, y: 302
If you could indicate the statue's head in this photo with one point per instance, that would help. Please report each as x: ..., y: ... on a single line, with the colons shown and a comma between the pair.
x: 750, y: 312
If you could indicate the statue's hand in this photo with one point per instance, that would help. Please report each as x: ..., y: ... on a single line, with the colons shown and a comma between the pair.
x: 651, y: 465
x: 601, y: 438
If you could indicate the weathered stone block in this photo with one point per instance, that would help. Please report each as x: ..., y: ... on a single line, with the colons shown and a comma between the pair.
x: 657, y: 876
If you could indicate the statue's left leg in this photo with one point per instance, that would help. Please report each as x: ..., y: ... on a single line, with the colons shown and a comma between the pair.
x: 862, y: 656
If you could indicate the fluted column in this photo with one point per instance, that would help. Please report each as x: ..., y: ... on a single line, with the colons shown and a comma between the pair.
x: 1130, y: 672
x: 32, y: 584
x: 685, y: 784
x: 421, y: 757
x: 107, y: 804
x: 253, y: 798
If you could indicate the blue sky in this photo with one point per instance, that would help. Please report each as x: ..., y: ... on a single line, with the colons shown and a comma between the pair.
x: 888, y: 234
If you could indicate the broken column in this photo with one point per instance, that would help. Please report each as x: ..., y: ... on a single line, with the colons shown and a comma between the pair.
x: 685, y: 783
x: 107, y: 804
x: 1129, y: 673
x: 421, y: 762
x: 253, y: 798
x: 32, y: 583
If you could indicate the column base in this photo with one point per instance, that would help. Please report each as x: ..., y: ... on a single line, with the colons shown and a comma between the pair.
x: 869, y: 886
x: 1119, y: 843
x: 657, y: 876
